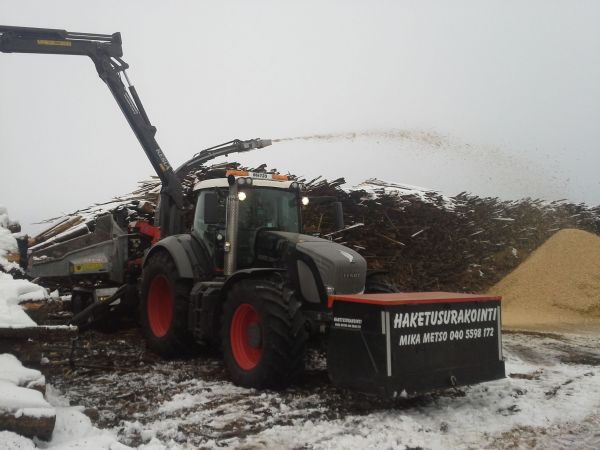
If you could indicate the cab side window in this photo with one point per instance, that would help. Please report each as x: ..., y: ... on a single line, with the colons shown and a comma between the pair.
x: 209, y: 230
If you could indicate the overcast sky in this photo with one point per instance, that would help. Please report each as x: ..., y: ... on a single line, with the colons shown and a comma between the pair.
x: 497, y: 98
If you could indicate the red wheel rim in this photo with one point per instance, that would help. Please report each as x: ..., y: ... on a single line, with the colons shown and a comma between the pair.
x: 245, y: 355
x: 160, y: 306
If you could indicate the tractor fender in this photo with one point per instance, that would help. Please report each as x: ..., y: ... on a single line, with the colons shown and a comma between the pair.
x: 186, y: 252
x: 247, y: 273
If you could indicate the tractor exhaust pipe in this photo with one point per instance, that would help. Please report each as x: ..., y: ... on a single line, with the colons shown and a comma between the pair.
x: 231, y: 232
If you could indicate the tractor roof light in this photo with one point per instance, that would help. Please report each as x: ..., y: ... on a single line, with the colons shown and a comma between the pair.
x: 244, y: 181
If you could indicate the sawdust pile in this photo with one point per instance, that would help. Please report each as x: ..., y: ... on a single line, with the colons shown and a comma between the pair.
x: 558, y: 286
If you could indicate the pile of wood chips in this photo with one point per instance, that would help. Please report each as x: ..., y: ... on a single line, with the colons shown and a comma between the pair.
x: 557, y: 287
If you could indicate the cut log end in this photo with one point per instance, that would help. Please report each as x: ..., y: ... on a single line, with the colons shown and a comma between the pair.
x: 30, y: 422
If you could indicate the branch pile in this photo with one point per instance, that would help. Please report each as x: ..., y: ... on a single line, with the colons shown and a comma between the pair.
x: 464, y: 243
x: 426, y: 241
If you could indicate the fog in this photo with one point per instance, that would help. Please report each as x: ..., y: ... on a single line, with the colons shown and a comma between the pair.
x: 496, y: 98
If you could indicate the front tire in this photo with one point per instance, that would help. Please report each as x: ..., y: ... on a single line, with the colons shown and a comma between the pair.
x: 164, y: 307
x: 263, y: 335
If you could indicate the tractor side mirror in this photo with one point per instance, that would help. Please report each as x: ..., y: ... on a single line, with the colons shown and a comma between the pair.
x: 339, y: 215
x: 211, y: 208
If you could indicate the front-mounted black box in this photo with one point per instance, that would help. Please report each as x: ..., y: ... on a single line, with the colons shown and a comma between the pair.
x: 400, y: 344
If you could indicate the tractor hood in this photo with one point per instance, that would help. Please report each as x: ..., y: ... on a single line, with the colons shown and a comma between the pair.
x: 322, y: 267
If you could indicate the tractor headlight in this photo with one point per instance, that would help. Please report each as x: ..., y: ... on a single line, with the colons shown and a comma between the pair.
x: 305, y: 201
x: 294, y: 185
x: 242, y: 196
x: 249, y: 181
x: 241, y: 180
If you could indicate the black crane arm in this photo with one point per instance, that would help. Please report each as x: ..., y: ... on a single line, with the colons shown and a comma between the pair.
x: 106, y: 52
x: 235, y: 146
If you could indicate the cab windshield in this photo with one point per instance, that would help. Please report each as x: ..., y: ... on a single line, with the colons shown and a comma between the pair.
x: 264, y: 209
x: 269, y: 208
x: 261, y: 209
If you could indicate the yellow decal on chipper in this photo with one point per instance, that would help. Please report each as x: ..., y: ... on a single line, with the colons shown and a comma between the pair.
x: 89, y: 267
x: 54, y: 43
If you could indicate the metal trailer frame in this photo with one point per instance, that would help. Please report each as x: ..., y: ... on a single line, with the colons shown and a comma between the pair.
x: 100, y: 254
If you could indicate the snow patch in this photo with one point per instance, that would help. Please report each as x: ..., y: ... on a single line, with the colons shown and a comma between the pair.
x: 14, y: 441
x: 12, y: 371
x: 13, y: 292
x: 74, y: 430
x: 20, y: 400
x: 8, y: 244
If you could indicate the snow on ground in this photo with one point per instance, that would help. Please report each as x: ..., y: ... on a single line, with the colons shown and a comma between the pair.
x: 13, y: 441
x: 554, y: 395
x: 551, y: 398
x: 73, y: 429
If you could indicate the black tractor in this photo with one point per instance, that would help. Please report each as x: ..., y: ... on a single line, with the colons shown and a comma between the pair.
x: 246, y: 278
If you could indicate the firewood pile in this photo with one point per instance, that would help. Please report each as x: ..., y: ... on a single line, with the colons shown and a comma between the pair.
x: 23, y: 408
x: 426, y: 241
x: 139, y: 204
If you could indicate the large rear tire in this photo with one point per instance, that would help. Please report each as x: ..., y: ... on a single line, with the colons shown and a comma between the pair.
x: 164, y: 307
x: 263, y: 334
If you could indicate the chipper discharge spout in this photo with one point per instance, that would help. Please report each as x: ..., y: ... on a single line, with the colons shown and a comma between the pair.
x: 398, y: 344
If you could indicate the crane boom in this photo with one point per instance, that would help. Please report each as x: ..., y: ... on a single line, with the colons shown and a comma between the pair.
x: 106, y: 51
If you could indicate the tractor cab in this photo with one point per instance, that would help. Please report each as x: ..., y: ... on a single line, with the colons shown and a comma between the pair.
x: 232, y: 212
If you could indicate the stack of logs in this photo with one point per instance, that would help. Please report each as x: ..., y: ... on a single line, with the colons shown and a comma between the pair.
x: 23, y: 408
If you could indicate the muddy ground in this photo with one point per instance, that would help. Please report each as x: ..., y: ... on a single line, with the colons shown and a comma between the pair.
x: 550, y: 399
